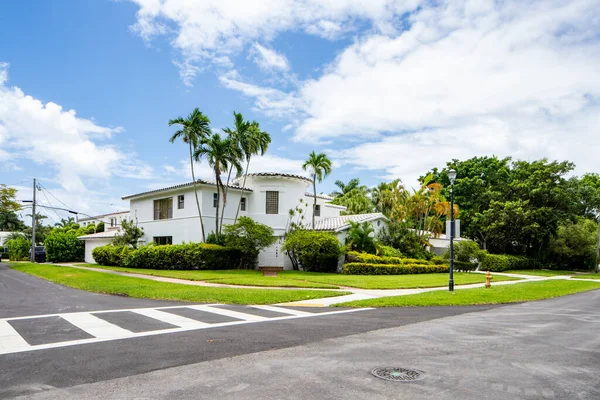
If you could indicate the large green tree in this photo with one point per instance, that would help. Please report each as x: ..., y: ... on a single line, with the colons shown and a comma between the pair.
x: 220, y: 153
x: 319, y: 166
x: 193, y: 129
x: 8, y: 202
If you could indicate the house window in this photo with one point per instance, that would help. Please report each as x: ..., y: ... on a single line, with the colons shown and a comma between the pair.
x: 180, y: 202
x: 272, y: 203
x: 243, y: 204
x: 163, y: 208
x: 113, y: 222
x: 317, y: 210
x: 215, y: 199
x: 161, y: 240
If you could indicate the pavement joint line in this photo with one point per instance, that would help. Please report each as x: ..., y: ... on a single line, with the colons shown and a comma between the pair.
x: 46, y: 346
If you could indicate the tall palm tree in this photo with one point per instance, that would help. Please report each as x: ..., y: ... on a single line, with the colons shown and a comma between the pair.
x: 194, y: 128
x: 240, y: 137
x: 255, y: 142
x: 345, y: 188
x: 319, y: 167
x: 220, y: 154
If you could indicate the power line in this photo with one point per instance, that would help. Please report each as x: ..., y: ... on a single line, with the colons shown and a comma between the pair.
x: 48, y: 200
x: 50, y: 193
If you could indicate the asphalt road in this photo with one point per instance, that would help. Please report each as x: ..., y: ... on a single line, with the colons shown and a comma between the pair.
x: 548, y: 349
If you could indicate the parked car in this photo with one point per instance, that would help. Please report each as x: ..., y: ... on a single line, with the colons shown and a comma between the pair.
x: 40, y: 254
x: 3, y: 252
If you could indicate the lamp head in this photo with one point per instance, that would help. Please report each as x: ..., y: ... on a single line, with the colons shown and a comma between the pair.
x: 452, y: 176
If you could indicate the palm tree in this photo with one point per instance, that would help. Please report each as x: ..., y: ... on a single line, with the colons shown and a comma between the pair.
x: 319, y: 167
x: 9, y: 221
x: 65, y: 222
x: 255, y: 142
x: 194, y: 128
x: 220, y: 154
x: 240, y: 137
x: 346, y: 187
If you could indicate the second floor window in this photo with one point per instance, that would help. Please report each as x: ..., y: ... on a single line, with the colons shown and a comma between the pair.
x: 113, y: 222
x: 272, y: 203
x: 180, y: 202
x: 215, y: 199
x: 243, y: 204
x: 317, y: 210
x: 163, y: 208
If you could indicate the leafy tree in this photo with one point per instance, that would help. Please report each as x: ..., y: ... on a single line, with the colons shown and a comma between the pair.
x: 18, y: 248
x: 9, y: 221
x: 361, y: 237
x: 346, y: 188
x: 319, y: 166
x: 353, y: 196
x: 8, y: 201
x: 314, y: 251
x: 250, y: 237
x: 220, y: 154
x: 400, y: 237
x: 129, y: 234
x: 100, y: 227
x: 574, y: 246
x: 64, y: 247
x: 194, y: 128
x: 41, y: 230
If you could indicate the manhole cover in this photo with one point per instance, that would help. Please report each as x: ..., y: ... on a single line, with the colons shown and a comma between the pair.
x: 398, y: 374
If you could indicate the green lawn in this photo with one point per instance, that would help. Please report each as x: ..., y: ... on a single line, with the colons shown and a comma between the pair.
x: 391, y: 281
x: 539, y: 272
x: 518, y: 292
x: 587, y: 276
x: 314, y: 279
x: 100, y: 282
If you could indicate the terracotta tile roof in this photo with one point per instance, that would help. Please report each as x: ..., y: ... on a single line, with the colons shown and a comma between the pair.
x: 341, y: 223
x: 198, y: 181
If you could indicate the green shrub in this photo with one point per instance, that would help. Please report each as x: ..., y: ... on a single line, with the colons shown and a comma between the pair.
x: 64, y: 247
x: 250, y: 238
x: 179, y: 256
x: 464, y: 266
x: 110, y: 255
x: 314, y: 251
x: 464, y: 251
x: 354, y: 256
x: 389, y: 251
x: 437, y: 260
x: 214, y: 238
x: 18, y: 249
x: 361, y: 237
x: 395, y: 269
x: 502, y: 262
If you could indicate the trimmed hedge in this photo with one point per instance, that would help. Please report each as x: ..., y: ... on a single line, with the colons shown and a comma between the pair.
x: 503, y: 262
x: 64, y: 247
x: 356, y: 268
x: 354, y: 256
x: 180, y: 256
x: 314, y: 251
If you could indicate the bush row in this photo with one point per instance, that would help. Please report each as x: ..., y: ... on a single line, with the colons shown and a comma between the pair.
x: 180, y: 256
x: 354, y: 256
x: 501, y: 262
x: 18, y: 249
x: 356, y: 268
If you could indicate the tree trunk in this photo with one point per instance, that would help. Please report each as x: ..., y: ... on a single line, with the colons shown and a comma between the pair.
x: 218, y: 203
x: 225, y: 196
x: 196, y: 193
x: 315, y: 200
x: 242, y: 193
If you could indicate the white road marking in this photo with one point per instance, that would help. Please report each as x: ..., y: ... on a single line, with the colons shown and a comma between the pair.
x: 283, y: 310
x: 96, y: 326
x: 12, y: 342
x: 10, y: 338
x: 172, y: 319
x: 229, y: 313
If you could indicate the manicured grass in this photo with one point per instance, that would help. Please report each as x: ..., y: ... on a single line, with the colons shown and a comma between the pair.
x: 518, y: 292
x: 100, y: 282
x: 390, y: 281
x: 538, y: 272
x: 243, y: 277
x: 587, y: 276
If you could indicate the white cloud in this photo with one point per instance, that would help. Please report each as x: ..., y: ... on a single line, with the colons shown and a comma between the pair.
x: 464, y: 79
x: 268, y: 59
x: 211, y: 29
x: 51, y: 136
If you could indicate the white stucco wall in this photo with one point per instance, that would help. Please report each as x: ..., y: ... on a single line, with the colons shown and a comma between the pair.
x: 91, y: 244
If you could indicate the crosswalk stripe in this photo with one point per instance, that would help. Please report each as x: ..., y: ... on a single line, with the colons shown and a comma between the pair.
x: 172, y: 319
x: 10, y: 338
x: 283, y: 310
x: 96, y: 327
x: 229, y: 313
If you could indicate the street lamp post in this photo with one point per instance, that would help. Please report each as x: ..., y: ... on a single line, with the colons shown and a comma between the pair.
x: 452, y: 177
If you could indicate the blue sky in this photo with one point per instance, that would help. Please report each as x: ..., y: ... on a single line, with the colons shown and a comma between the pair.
x: 387, y: 88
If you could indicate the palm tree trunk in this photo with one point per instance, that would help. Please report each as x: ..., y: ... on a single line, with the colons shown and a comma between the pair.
x: 315, y: 199
x: 218, y: 204
x: 237, y: 213
x: 196, y: 193
x: 225, y: 196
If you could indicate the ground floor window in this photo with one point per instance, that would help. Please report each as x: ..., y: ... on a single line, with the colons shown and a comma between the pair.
x: 160, y: 240
x: 243, y: 204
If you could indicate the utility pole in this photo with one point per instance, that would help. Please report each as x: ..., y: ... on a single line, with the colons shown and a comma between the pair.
x: 33, y: 223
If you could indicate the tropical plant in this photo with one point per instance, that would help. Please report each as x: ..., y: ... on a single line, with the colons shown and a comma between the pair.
x: 314, y: 251
x: 9, y: 221
x: 129, y: 234
x: 65, y: 222
x: 319, y: 167
x: 220, y: 154
x: 353, y: 196
x: 361, y: 237
x: 194, y: 128
x: 250, y: 238
x: 345, y: 188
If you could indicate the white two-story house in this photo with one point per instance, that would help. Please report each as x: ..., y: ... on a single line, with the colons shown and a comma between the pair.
x: 170, y: 215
